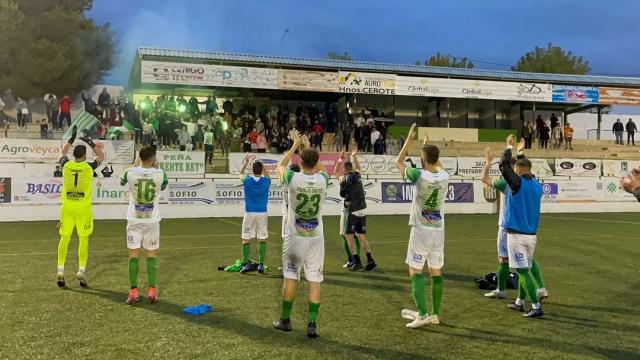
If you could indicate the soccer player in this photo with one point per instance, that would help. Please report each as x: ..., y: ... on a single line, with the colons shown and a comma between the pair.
x: 76, y: 211
x: 338, y: 171
x: 521, y: 221
x: 426, y: 241
x: 353, y: 218
x: 303, y: 246
x: 254, y: 223
x: 144, y: 182
x: 503, y: 255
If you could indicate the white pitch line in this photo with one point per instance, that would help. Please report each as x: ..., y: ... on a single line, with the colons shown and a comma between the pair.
x: 592, y: 220
x: 124, y: 237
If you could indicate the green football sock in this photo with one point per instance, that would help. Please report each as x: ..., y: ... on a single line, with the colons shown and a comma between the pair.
x: 417, y: 285
x: 346, y: 247
x: 537, y: 276
x: 246, y: 249
x: 522, y: 293
x: 529, y: 286
x: 437, y: 288
x: 63, y: 246
x: 503, y: 276
x: 313, y: 312
x: 287, y: 305
x: 262, y: 250
x: 133, y: 272
x: 152, y: 268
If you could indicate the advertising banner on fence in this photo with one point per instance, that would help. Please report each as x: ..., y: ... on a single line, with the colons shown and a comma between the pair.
x: 329, y: 160
x: 472, y: 167
x: 578, y: 167
x: 399, y: 192
x: 48, y: 151
x: 386, y: 164
x: 367, y: 83
x: 620, y: 96
x: 540, y: 168
x: 473, y: 89
x: 618, y: 168
x: 270, y: 161
x: 191, y: 193
x: 575, y: 94
x: 162, y: 72
x: 549, y: 192
x: 307, y: 80
x: 580, y: 190
x: 613, y: 192
x: 181, y: 163
x: 5, y: 190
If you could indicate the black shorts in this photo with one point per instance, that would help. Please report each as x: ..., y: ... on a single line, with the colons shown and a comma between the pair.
x: 356, y: 224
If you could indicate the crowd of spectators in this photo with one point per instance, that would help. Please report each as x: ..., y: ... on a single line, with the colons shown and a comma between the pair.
x: 549, y: 134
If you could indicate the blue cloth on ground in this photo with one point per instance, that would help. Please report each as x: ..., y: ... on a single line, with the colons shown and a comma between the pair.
x: 198, y: 309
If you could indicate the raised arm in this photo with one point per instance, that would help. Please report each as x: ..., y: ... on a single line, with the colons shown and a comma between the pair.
x: 284, y: 163
x: 336, y: 167
x: 356, y: 164
x: 245, y: 163
x: 509, y: 175
x: 488, y: 157
x: 400, y: 164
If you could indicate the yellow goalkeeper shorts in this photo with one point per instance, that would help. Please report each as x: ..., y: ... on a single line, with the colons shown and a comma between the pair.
x: 78, y: 217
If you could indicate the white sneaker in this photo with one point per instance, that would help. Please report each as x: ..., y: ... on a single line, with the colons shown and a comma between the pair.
x: 496, y: 294
x: 434, y: 319
x: 419, y: 322
x: 542, y: 294
x: 409, y: 314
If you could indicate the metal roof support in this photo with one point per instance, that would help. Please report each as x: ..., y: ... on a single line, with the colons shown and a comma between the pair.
x: 599, y: 121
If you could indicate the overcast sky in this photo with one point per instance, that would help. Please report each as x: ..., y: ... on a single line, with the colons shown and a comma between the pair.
x: 606, y: 33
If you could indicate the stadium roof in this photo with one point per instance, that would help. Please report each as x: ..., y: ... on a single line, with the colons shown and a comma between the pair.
x: 400, y: 69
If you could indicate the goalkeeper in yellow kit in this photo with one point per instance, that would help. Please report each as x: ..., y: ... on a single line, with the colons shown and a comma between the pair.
x: 76, y: 209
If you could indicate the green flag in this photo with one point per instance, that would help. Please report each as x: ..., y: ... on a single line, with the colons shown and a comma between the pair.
x: 84, y: 121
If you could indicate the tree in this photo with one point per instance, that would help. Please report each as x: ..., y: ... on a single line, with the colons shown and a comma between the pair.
x: 335, y: 56
x: 552, y: 59
x: 51, y: 46
x: 448, y: 61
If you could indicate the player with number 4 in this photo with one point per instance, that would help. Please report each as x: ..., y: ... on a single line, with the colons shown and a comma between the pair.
x: 144, y: 182
x: 426, y: 240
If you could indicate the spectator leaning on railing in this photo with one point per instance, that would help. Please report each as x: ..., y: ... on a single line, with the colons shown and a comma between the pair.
x: 65, y: 111
x: 568, y: 136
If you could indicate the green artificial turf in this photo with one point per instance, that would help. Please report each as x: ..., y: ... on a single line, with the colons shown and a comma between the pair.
x: 589, y: 262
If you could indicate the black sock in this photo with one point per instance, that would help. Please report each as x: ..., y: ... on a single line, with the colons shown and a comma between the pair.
x: 356, y: 259
x: 369, y: 258
x: 350, y: 258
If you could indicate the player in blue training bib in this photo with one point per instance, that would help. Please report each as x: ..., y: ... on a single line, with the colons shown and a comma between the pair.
x: 254, y: 223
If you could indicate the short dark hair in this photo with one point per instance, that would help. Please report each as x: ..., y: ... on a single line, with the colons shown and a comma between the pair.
x: 257, y: 168
x: 431, y: 154
x: 348, y: 166
x: 147, y: 153
x: 524, y: 162
x: 309, y: 158
x: 294, y: 167
x: 79, y: 151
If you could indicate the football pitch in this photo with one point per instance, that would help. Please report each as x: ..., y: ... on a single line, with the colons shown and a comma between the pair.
x: 589, y: 263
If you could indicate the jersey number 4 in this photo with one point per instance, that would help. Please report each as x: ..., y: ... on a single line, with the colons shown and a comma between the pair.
x: 145, y: 191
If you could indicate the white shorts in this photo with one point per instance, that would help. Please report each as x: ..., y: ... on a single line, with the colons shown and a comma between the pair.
x: 503, y: 250
x: 425, y: 246
x: 146, y: 235
x: 284, y: 223
x: 521, y: 248
x: 299, y: 252
x: 254, y: 226
x: 344, y: 216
